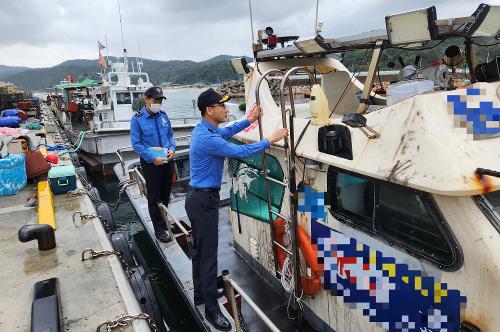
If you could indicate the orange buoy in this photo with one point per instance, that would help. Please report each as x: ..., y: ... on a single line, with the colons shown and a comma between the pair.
x: 310, y: 285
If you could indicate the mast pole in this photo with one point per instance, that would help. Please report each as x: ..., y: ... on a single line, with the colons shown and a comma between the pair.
x: 316, y: 22
x: 123, y: 43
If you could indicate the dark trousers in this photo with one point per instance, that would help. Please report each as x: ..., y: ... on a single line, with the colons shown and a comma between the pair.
x: 203, y: 212
x: 158, y: 184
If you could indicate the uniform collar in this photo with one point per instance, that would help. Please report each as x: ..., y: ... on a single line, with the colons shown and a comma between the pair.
x: 208, y: 125
x: 145, y: 111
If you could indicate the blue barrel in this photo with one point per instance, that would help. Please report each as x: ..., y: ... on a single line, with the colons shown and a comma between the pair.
x: 12, y: 174
x: 10, y: 112
x: 10, y: 121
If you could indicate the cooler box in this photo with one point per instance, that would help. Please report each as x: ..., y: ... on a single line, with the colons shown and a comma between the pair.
x: 62, y: 179
x: 12, y: 174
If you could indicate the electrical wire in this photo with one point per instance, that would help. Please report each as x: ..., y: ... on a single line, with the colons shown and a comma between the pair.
x: 485, y: 45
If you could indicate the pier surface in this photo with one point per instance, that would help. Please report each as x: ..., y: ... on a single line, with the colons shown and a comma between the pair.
x: 91, y: 292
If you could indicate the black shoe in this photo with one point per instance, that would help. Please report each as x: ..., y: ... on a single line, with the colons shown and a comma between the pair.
x: 218, y: 320
x: 162, y: 237
x: 199, y: 300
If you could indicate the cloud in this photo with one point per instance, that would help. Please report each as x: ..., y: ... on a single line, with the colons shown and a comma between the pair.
x: 47, y: 33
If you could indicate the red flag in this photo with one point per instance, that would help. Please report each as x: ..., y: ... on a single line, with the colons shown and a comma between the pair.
x: 101, y: 61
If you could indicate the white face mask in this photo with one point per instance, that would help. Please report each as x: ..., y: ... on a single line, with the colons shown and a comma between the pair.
x: 155, y: 108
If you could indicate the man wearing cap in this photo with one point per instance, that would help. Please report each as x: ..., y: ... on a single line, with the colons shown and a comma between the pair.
x: 209, y: 146
x: 151, y: 135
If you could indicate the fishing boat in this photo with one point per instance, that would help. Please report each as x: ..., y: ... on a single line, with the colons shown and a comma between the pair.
x: 380, y: 211
x: 96, y: 115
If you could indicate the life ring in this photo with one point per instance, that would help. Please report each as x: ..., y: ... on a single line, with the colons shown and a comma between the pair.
x: 310, y: 285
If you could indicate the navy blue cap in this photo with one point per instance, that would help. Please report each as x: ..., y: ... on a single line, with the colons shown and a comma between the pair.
x: 155, y: 92
x: 210, y: 97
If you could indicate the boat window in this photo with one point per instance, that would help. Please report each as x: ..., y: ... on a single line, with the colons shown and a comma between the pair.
x: 123, y: 98
x: 354, y: 197
x: 490, y: 205
x: 248, y: 194
x: 397, y: 214
x: 138, y: 100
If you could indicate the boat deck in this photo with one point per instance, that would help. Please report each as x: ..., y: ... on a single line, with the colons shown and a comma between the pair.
x: 271, y: 302
x: 91, y: 292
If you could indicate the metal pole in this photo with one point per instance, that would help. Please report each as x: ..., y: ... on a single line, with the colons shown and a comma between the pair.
x: 292, y: 182
x: 121, y: 25
x: 264, y: 162
x: 316, y: 24
x: 230, y: 294
x: 107, y: 51
x: 251, y: 20
x: 254, y: 306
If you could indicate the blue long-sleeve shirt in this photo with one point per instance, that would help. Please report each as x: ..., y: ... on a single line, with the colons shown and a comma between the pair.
x: 151, y: 130
x: 209, y: 147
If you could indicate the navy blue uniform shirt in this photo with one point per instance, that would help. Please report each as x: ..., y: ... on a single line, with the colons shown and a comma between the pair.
x: 151, y: 130
x: 209, y: 147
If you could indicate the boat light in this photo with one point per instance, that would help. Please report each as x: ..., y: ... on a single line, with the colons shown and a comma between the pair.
x: 412, y: 27
x: 272, y: 40
x: 313, y: 45
x: 240, y: 66
x: 357, y: 120
x: 354, y: 120
x: 485, y: 22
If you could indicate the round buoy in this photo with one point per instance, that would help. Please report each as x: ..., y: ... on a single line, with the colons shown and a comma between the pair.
x: 120, y: 244
x: 145, y: 296
x: 92, y: 191
x: 74, y: 158
x: 52, y: 158
x: 243, y: 106
x: 105, y: 213
x: 82, y: 173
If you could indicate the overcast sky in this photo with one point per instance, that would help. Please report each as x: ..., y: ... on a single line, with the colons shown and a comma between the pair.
x: 44, y: 33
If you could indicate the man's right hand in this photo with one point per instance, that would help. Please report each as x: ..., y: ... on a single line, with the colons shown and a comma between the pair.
x: 158, y: 161
x: 277, y: 135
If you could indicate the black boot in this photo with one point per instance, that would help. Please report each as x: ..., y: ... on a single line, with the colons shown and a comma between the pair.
x: 218, y: 320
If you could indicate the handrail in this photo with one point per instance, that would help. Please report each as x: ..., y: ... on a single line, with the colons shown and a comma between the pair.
x: 230, y: 285
x: 119, y: 153
x: 264, y: 161
x: 141, y: 182
x: 164, y: 212
x: 290, y: 150
x: 177, y: 222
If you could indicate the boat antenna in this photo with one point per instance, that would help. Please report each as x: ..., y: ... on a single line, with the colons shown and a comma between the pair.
x: 107, y: 50
x: 253, y: 36
x: 251, y: 20
x: 123, y: 43
x: 139, y: 61
x: 316, y: 28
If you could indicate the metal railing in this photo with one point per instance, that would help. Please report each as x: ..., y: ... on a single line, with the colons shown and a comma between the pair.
x: 229, y: 286
x: 165, y: 213
x: 184, y: 119
x: 119, y: 154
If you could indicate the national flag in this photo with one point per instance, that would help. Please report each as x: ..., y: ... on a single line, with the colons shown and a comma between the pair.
x: 101, y: 61
x: 101, y: 46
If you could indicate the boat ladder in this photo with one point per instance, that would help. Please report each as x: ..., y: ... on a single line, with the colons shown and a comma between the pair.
x: 289, y: 182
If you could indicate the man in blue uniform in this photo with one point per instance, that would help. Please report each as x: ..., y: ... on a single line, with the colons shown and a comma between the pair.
x: 151, y: 128
x: 209, y: 147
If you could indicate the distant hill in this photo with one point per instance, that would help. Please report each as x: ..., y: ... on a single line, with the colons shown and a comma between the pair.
x: 6, y: 71
x: 213, y: 70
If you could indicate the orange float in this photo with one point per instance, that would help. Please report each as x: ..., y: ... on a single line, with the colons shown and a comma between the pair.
x: 310, y: 285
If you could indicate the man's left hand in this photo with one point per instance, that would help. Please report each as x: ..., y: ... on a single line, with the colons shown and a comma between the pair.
x: 170, y: 154
x: 255, y: 114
